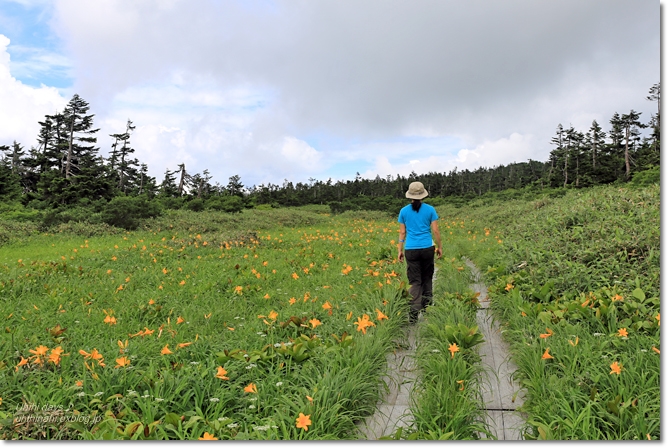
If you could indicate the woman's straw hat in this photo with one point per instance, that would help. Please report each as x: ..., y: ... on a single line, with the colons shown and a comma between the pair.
x: 416, y: 191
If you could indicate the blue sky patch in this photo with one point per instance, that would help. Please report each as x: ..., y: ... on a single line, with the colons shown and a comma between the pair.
x: 35, y: 51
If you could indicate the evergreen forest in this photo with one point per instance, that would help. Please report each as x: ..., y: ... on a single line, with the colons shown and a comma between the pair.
x: 64, y: 177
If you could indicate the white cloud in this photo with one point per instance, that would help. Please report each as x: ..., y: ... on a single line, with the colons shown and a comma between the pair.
x: 300, y: 154
x: 417, y: 81
x: 515, y: 148
x: 23, y: 106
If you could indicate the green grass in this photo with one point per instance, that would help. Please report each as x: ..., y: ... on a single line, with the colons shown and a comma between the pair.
x: 223, y: 291
x: 581, y: 270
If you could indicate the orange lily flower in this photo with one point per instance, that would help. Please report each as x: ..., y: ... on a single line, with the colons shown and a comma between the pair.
x: 379, y: 315
x: 208, y: 436
x: 221, y: 373
x: 23, y: 362
x: 40, y: 351
x: 122, y: 362
x: 315, y: 322
x: 251, y: 388
x: 165, y: 350
x: 622, y: 332
x: 303, y: 421
x: 546, y: 335
x: 547, y: 355
x: 615, y: 367
x: 364, y: 322
x: 452, y: 348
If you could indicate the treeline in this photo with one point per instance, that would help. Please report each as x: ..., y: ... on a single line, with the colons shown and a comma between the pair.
x: 64, y: 177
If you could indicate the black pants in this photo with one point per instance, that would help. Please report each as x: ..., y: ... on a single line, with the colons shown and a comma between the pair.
x: 420, y: 273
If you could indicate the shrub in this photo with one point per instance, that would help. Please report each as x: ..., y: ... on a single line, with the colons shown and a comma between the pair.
x: 647, y: 177
x: 229, y: 204
x: 171, y: 203
x: 196, y: 205
x: 127, y: 211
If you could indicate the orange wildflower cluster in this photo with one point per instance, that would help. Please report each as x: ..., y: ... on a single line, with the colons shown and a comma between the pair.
x: 364, y: 322
x: 546, y: 335
x: 142, y: 333
x: 40, y: 357
x: 109, y: 318
x: 346, y: 269
x: 94, y: 355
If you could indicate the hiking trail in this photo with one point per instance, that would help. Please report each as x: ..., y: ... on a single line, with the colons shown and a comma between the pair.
x: 501, y: 396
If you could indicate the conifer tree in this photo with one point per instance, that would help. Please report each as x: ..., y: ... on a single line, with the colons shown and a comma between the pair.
x: 79, y: 131
x: 630, y: 125
x: 126, y: 168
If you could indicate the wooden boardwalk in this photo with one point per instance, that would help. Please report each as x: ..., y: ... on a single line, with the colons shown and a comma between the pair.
x: 501, y: 396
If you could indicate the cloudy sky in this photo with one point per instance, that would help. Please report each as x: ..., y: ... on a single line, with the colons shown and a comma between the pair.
x: 299, y: 89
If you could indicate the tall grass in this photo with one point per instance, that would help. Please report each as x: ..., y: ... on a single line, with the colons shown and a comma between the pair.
x: 575, y: 281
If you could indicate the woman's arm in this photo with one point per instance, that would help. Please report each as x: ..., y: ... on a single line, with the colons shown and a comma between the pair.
x: 437, y: 238
x: 402, y: 238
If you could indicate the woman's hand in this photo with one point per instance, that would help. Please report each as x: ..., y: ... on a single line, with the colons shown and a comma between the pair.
x: 401, y: 256
x: 439, y: 252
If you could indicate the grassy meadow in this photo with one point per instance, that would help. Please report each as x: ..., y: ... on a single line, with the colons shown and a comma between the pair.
x: 275, y: 324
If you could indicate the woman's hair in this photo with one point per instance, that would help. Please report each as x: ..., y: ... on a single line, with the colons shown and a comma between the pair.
x: 416, y: 203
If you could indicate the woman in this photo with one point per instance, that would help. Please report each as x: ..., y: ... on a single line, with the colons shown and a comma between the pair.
x: 417, y: 224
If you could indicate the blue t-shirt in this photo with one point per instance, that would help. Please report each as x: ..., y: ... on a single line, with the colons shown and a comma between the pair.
x: 418, y: 226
